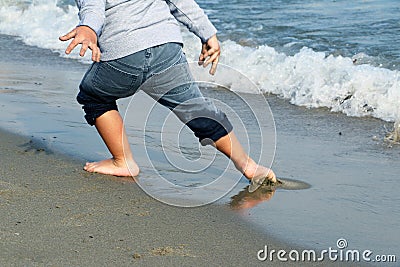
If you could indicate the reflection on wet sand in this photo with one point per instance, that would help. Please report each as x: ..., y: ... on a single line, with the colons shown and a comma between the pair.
x: 246, y: 200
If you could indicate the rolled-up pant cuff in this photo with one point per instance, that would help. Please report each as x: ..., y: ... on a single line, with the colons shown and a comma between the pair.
x: 214, y: 130
x: 94, y: 110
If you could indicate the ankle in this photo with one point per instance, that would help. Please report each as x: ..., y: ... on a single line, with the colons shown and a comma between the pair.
x: 247, y: 167
x: 123, y: 162
x: 251, y: 171
x: 119, y: 161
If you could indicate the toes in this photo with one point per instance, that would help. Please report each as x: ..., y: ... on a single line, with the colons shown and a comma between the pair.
x: 271, y: 176
x: 255, y: 183
x: 90, y: 166
x: 108, y: 167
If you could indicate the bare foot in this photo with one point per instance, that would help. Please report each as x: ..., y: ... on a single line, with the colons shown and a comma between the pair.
x: 113, y: 167
x: 257, y: 174
x: 255, y: 171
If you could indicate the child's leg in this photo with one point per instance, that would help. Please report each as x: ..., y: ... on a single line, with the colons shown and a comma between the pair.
x: 231, y: 147
x: 111, y: 129
x: 212, y: 127
x: 177, y: 90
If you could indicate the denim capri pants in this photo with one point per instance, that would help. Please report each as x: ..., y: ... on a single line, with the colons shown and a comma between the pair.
x: 161, y: 72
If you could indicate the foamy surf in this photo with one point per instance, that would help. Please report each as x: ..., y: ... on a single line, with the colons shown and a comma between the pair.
x: 314, y: 79
x: 307, y: 78
x: 38, y: 23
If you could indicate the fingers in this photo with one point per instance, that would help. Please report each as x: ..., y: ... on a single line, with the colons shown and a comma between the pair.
x: 96, y: 53
x: 86, y: 37
x: 95, y: 50
x: 68, y: 36
x: 71, y: 46
x: 84, y: 47
x: 203, y: 54
x: 271, y: 176
x: 213, y: 59
x: 210, y: 53
x: 213, y: 68
x: 210, y: 56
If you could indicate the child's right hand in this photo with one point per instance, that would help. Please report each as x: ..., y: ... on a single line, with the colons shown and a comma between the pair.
x: 87, y: 37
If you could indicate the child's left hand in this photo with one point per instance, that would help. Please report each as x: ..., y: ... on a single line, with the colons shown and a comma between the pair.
x: 210, y: 53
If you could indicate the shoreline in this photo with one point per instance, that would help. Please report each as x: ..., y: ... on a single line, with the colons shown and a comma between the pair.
x: 54, y: 213
x: 336, y: 154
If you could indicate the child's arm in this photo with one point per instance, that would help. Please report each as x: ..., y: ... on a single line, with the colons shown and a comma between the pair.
x: 193, y: 17
x: 92, y: 14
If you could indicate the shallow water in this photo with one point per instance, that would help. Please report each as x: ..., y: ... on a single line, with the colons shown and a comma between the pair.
x: 353, y: 178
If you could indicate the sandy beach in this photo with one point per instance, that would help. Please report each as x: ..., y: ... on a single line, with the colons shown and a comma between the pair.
x: 55, y: 214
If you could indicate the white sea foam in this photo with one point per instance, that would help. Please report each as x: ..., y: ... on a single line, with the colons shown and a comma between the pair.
x: 39, y: 23
x: 313, y: 79
x: 308, y: 78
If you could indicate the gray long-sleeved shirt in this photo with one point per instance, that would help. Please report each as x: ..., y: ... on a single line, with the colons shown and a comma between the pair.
x: 128, y: 26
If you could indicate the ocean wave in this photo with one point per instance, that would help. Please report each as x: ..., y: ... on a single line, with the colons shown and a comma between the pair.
x: 314, y: 79
x: 308, y: 78
x: 39, y: 23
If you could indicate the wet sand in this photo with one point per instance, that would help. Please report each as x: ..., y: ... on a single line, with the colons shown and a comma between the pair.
x: 56, y: 214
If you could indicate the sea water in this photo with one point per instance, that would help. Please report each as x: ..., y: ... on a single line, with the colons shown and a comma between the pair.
x: 340, y: 55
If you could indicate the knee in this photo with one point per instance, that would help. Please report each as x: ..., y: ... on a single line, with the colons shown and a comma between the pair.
x: 93, y: 108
